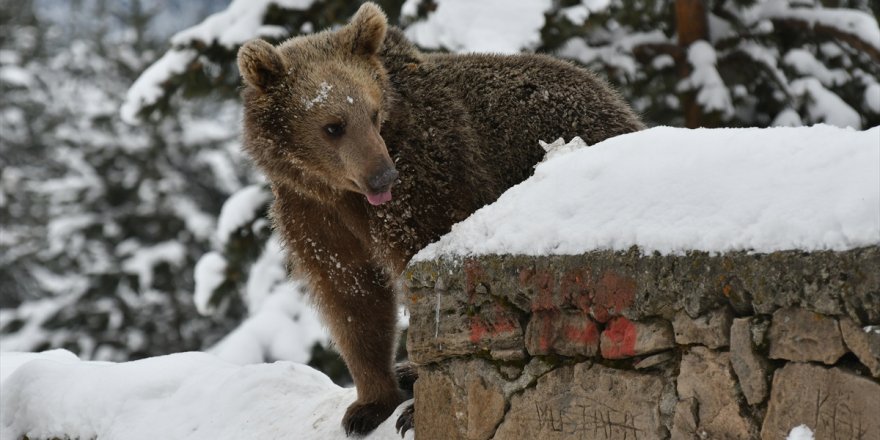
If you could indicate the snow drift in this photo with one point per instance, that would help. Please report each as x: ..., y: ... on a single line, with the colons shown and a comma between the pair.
x: 181, y: 396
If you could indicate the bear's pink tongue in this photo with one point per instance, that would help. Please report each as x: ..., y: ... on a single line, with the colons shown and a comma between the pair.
x: 378, y: 199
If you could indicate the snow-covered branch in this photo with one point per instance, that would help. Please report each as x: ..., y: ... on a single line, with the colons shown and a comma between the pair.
x: 241, y: 21
x: 712, y: 93
x: 856, y: 28
x: 824, y: 105
x: 481, y: 26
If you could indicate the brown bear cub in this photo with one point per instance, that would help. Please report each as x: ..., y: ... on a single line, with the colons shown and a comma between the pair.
x: 374, y: 149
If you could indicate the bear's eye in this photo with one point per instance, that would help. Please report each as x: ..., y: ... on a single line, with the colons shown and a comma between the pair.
x: 334, y: 130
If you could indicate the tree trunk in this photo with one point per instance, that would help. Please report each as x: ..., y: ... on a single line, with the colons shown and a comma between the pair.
x: 692, y: 24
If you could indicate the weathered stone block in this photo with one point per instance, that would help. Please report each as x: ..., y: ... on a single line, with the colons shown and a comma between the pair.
x: 564, y: 333
x: 684, y: 420
x: 614, y: 295
x: 436, y: 408
x: 469, y: 394
x: 587, y: 401
x: 832, y: 402
x: 801, y: 335
x: 485, y: 409
x: 623, y: 338
x: 705, y: 376
x: 865, y: 344
x: 441, y: 328
x: 750, y: 368
x: 711, y: 329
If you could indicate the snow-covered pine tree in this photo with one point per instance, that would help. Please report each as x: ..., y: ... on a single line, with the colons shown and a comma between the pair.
x: 731, y: 62
x: 102, y: 222
x: 201, y: 59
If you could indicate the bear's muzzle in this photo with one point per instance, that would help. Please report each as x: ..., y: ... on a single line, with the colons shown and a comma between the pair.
x: 379, y: 186
x: 382, y: 181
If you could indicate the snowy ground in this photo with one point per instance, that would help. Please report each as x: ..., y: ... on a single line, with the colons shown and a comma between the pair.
x: 180, y: 396
x: 672, y: 190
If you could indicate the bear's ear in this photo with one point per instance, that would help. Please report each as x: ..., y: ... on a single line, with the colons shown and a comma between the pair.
x: 260, y: 64
x: 366, y: 32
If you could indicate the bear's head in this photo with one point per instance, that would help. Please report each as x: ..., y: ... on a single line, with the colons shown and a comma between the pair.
x: 314, y: 106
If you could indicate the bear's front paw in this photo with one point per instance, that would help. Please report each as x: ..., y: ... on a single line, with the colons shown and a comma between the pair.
x: 406, y: 420
x: 361, y: 418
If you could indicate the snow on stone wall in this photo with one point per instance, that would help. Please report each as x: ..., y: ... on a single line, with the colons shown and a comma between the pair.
x: 673, y: 190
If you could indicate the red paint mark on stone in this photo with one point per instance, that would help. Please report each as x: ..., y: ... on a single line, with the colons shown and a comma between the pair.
x: 614, y: 294
x: 585, y: 335
x: 502, y: 322
x: 604, y: 298
x: 547, y: 335
x: 555, y: 331
x: 478, y: 330
x: 496, y: 322
x: 619, y: 339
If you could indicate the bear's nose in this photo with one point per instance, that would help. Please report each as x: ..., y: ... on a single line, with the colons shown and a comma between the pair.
x: 382, y: 181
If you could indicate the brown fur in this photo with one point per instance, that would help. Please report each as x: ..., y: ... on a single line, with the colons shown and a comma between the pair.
x: 459, y: 129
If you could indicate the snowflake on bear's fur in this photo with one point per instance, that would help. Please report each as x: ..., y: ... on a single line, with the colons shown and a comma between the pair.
x: 323, y: 92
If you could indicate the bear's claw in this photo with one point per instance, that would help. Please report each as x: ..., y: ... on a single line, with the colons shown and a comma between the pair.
x: 361, y: 418
x: 406, y: 420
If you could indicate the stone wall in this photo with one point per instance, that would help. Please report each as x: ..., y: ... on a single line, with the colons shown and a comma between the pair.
x: 619, y: 345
